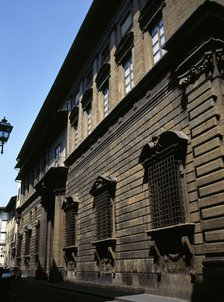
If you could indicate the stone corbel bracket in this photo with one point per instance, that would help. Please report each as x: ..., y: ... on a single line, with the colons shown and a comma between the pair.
x: 70, y: 256
x: 97, y: 258
x: 188, y: 255
x: 112, y: 253
x: 27, y: 261
x: 105, y: 256
x: 158, y: 259
x: 36, y: 259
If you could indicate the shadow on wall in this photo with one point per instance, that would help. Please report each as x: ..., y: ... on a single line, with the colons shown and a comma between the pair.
x: 54, y: 274
x: 40, y: 273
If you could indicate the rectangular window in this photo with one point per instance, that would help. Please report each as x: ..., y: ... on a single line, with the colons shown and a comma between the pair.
x: 2, y: 238
x: 35, y: 213
x: 106, y: 100
x: 27, y: 243
x: 19, y: 245
x: 75, y: 99
x: 89, y: 79
x: 5, y: 216
x: 3, y: 226
x: 128, y: 74
x: 126, y: 24
x: 105, y: 54
x: 37, y: 238
x: 103, y: 205
x: 158, y: 41
x: 89, y: 118
x: 166, y: 192
x: 30, y: 218
x: 76, y: 136
x: 70, y: 227
x: 57, y: 152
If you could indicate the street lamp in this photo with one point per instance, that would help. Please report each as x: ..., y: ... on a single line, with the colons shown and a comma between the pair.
x: 5, y: 130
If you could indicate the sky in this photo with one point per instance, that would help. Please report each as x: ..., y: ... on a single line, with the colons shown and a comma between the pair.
x: 36, y: 36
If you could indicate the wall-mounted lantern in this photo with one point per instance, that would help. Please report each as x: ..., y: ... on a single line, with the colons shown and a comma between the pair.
x: 5, y: 130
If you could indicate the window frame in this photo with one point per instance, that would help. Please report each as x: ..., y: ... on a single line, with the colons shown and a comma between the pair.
x: 106, y: 97
x: 128, y: 73
x: 103, y: 191
x: 70, y: 208
x: 157, y: 29
x: 169, y: 142
x: 126, y: 24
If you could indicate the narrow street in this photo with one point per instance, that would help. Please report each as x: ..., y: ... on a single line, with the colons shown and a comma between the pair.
x: 25, y: 290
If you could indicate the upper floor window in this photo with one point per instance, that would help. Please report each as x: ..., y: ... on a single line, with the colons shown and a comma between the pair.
x: 2, y: 238
x: 103, y: 191
x: 3, y: 226
x: 57, y: 152
x: 87, y: 107
x: 105, y: 54
x: 128, y: 74
x: 4, y: 216
x: 89, y: 78
x: 102, y: 83
x: 30, y: 217
x: 158, y: 40
x: 35, y: 213
x: 163, y: 162
x: 76, y: 133
x: 151, y: 21
x: 75, y: 99
x: 105, y: 92
x: 123, y: 56
x: 126, y: 24
x: 89, y: 119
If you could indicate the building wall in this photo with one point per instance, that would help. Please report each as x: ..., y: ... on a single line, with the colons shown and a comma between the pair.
x: 158, y: 108
x: 182, y: 93
x: 3, y: 233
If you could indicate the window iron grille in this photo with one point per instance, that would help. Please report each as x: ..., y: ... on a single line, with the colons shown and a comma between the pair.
x: 165, y: 187
x: 70, y: 227
x: 70, y: 208
x: 163, y: 160
x: 103, y: 191
x: 27, y: 242
x: 37, y: 238
x: 103, y: 204
x: 19, y: 245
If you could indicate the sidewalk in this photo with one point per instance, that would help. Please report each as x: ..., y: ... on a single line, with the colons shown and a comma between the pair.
x: 109, y: 293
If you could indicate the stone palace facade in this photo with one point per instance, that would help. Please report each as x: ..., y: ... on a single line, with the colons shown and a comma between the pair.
x: 122, y: 172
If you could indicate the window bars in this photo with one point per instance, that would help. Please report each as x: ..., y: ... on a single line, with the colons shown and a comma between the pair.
x: 103, y: 191
x: 70, y: 228
x: 166, y: 192
x: 103, y: 206
x: 37, y: 239
x: 70, y: 208
x: 163, y: 160
x: 19, y: 245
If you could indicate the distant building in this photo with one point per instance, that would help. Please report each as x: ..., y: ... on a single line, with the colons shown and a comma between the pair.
x: 3, y: 232
x: 122, y: 171
x: 11, y: 232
